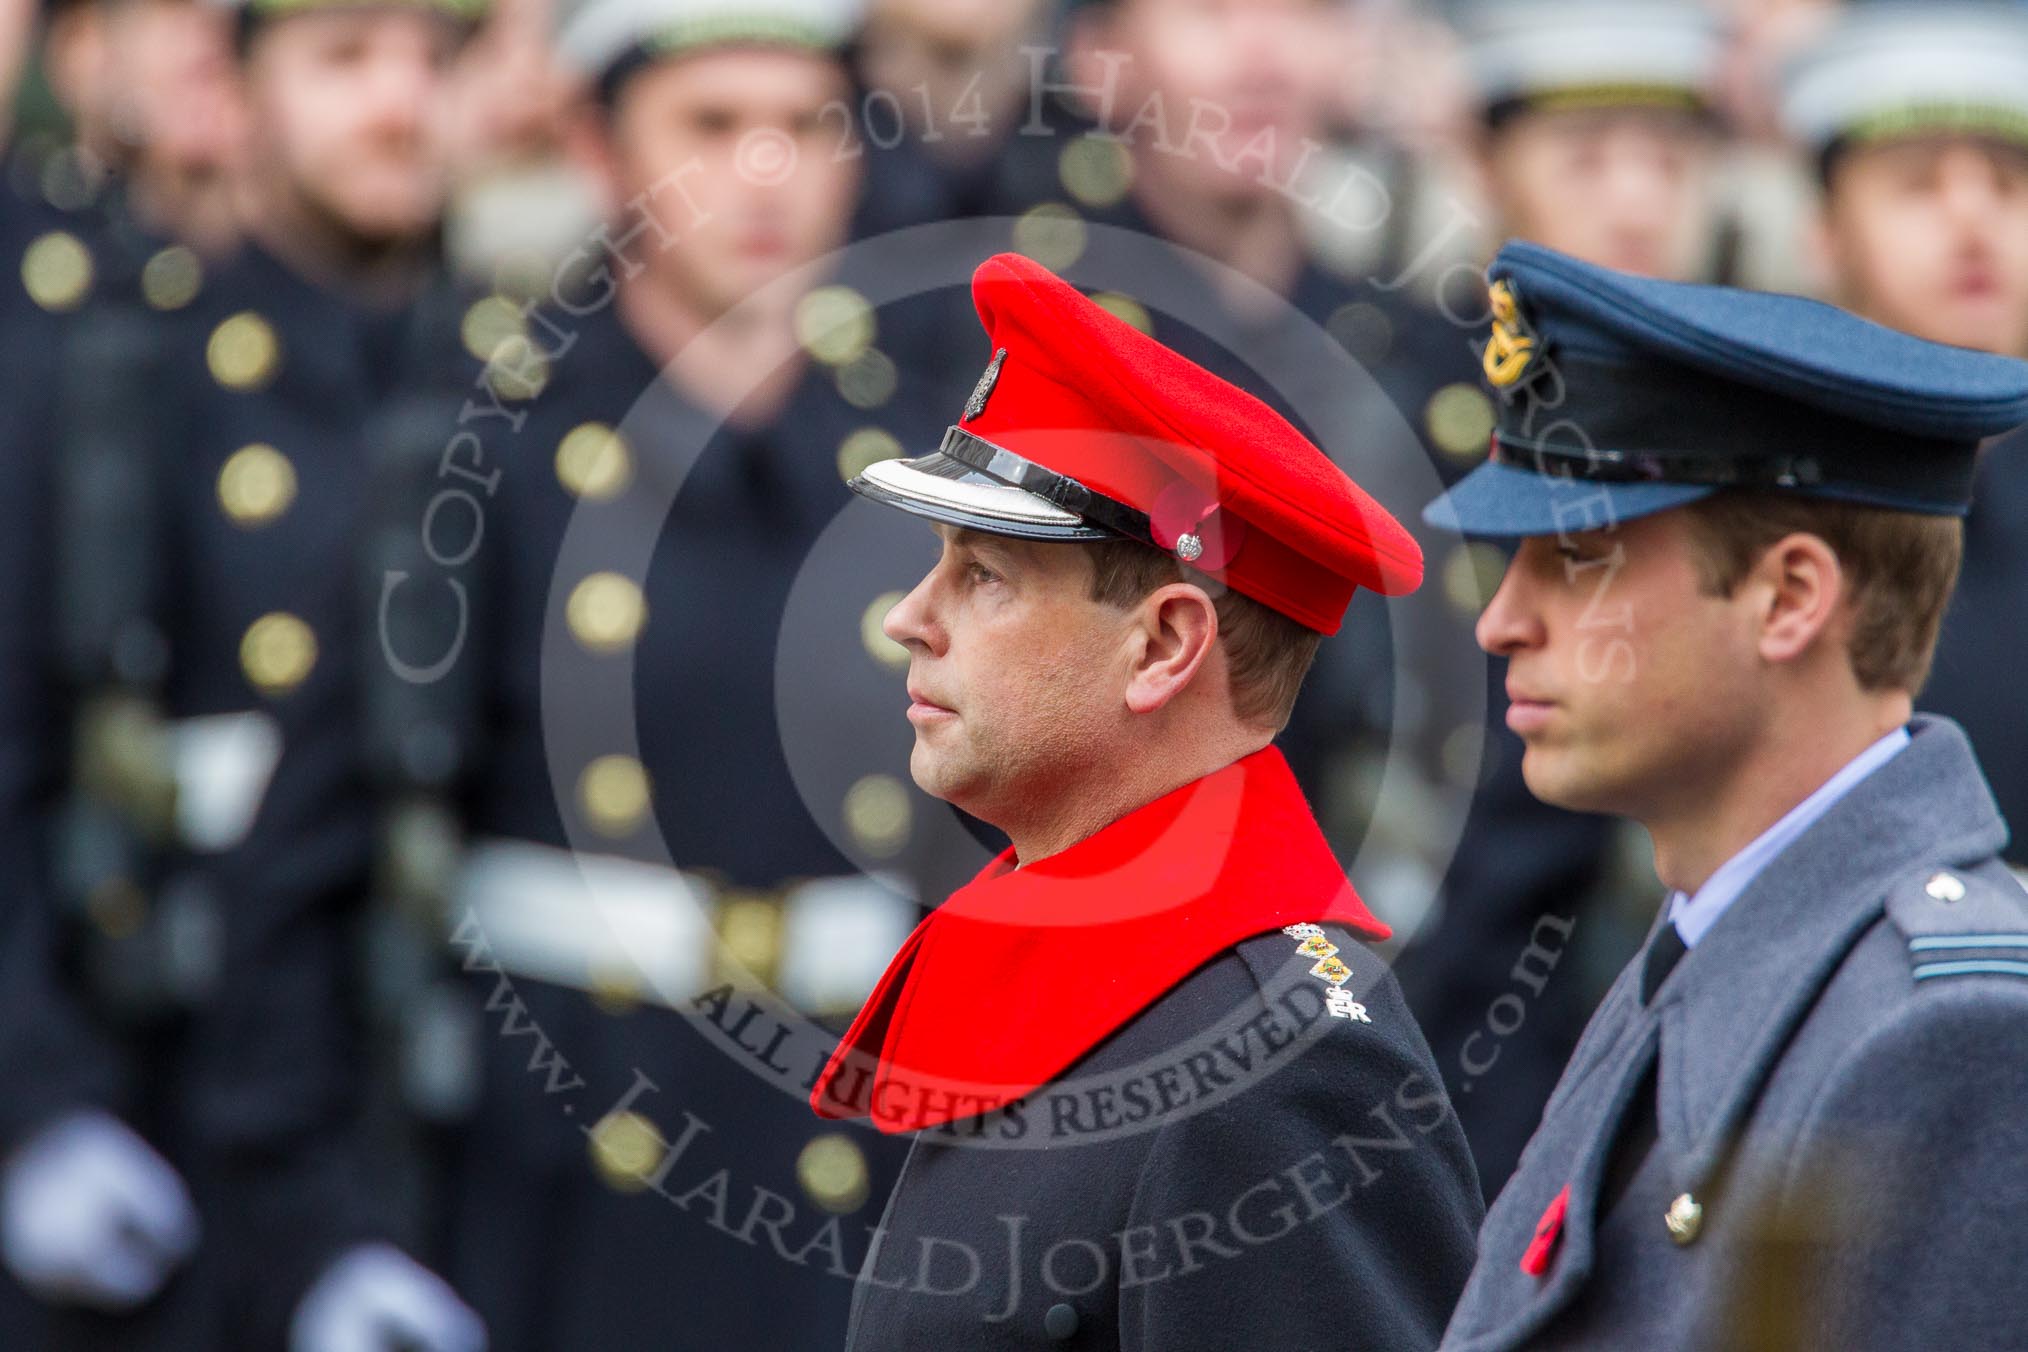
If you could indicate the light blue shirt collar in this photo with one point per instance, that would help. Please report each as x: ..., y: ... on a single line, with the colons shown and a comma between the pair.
x: 1694, y: 916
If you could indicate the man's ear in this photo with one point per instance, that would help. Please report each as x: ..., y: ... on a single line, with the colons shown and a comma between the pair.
x: 1802, y: 588
x: 1176, y: 628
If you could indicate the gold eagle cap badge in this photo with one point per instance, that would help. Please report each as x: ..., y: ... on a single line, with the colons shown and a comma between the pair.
x: 1512, y: 345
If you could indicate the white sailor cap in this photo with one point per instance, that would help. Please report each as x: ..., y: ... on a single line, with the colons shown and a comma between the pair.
x: 1895, y: 69
x: 1589, y: 53
x: 603, y: 37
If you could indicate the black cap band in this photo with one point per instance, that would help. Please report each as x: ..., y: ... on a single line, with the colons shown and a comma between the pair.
x: 1621, y: 423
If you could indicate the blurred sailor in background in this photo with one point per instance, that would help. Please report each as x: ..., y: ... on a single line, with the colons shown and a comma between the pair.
x: 188, y: 521
x: 1916, y: 120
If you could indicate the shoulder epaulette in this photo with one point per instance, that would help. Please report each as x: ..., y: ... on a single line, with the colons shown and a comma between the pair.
x: 1963, y: 922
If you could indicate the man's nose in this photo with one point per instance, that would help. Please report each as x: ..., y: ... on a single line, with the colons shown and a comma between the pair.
x: 910, y: 622
x: 1509, y: 622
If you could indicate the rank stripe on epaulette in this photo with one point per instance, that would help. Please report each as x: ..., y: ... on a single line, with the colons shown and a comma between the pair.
x: 1971, y: 967
x: 1948, y: 941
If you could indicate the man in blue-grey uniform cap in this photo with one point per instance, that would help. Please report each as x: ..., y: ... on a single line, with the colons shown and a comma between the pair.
x: 1916, y: 117
x: 1595, y: 134
x: 1796, y: 1120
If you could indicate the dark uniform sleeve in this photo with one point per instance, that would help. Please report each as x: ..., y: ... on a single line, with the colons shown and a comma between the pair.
x: 57, y: 1057
x: 1333, y: 1205
x: 1903, y: 1204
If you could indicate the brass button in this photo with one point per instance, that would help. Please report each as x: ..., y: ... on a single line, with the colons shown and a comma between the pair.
x: 57, y: 270
x: 879, y: 646
x: 1363, y: 330
x: 243, y: 352
x: 605, y: 612
x: 834, y: 324
x: 516, y: 368
x: 868, y: 380
x: 256, y: 484
x: 1459, y: 420
x: 1052, y: 234
x: 864, y: 447
x: 277, y: 652
x: 613, y: 793
x: 614, y: 987
x: 1096, y: 170
x: 490, y: 321
x: 171, y: 277
x: 625, y: 1148
x: 1125, y: 309
x: 1471, y: 574
x: 832, y: 1170
x: 1685, y: 1219
x: 1945, y: 887
x: 877, y: 814
x: 593, y: 462
x: 750, y: 934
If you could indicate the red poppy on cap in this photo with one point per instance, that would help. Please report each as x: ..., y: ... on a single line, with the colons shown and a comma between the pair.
x: 1085, y: 428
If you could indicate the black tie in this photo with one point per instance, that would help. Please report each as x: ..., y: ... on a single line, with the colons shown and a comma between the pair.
x: 1664, y: 952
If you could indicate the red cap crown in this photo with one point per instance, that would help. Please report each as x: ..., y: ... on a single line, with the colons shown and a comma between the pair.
x: 1085, y: 394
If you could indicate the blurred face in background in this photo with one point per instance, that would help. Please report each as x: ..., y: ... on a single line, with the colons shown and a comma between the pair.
x: 150, y: 88
x: 732, y: 153
x: 1237, y: 84
x: 955, y: 68
x: 1623, y: 188
x: 348, y: 110
x: 1931, y: 236
x: 174, y: 107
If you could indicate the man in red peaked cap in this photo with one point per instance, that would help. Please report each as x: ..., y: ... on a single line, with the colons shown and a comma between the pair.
x: 1163, y: 1093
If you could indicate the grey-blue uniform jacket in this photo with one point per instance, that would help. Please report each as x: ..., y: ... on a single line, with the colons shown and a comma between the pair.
x: 1838, y: 1100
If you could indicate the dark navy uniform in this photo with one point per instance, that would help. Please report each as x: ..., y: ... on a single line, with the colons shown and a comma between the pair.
x: 1228, y: 1228
x: 232, y: 492
x: 689, y: 842
x: 1985, y: 626
x: 57, y: 1059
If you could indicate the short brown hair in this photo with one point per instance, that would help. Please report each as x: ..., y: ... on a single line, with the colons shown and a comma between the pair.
x: 1267, y: 653
x: 1901, y: 567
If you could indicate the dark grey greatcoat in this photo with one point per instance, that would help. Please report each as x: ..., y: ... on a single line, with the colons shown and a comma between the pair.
x: 1325, y: 1201
x: 1816, y: 1135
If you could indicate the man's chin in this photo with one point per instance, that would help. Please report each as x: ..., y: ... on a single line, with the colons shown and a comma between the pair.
x: 1553, y: 777
x: 964, y: 785
x: 930, y: 771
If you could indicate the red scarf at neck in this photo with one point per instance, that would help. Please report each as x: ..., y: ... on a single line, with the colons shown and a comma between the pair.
x: 1023, y: 971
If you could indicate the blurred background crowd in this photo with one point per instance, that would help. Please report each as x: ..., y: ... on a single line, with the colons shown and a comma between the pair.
x: 452, y: 779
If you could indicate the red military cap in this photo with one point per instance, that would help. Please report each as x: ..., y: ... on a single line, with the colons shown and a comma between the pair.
x: 1085, y: 428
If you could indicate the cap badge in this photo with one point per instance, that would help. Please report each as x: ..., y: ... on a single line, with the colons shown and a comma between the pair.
x: 981, y: 391
x: 1511, y: 345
